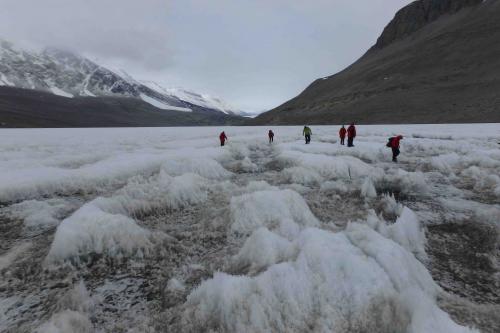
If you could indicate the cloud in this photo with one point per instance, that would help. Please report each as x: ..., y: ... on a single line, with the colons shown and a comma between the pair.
x: 134, y: 31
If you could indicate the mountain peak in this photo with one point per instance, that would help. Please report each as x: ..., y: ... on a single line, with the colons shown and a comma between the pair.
x: 65, y: 73
x: 418, y: 14
x: 446, y: 72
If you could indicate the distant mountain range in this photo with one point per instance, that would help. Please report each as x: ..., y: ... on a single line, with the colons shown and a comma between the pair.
x: 72, y: 76
x: 437, y: 61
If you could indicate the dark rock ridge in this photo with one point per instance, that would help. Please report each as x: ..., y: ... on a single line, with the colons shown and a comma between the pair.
x: 418, y: 14
x: 438, y: 61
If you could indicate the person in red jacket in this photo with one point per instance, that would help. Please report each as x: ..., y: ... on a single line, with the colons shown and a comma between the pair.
x: 394, y: 143
x: 271, y: 136
x: 222, y: 138
x: 351, y: 134
x: 342, y: 133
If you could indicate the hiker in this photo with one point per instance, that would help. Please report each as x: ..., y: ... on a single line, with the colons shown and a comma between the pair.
x: 271, y: 136
x: 222, y: 138
x: 307, y: 134
x: 342, y: 133
x: 393, y: 143
x: 351, y: 134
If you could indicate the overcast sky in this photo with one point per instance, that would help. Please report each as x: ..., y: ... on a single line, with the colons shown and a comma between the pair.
x: 255, y: 54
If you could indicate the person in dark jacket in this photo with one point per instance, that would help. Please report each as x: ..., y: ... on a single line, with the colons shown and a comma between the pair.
x: 342, y: 134
x: 351, y: 134
x: 394, y: 143
x: 271, y: 136
x: 222, y: 138
x: 307, y: 134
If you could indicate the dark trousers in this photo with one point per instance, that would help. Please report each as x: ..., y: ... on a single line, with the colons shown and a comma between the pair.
x: 222, y: 143
x: 350, y: 142
x: 395, y: 153
x: 308, y: 138
x: 271, y: 139
x: 342, y: 140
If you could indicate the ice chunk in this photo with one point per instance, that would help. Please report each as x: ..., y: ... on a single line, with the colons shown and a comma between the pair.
x: 37, y: 213
x: 92, y: 230
x: 391, y: 206
x: 427, y: 316
x: 331, y: 286
x: 408, y: 233
x: 175, y: 285
x: 404, y: 269
x: 445, y: 162
x: 106, y: 226
x: 301, y: 175
x: 205, y: 167
x: 283, y: 211
x: 260, y: 185
x: 334, y: 185
x: 368, y: 189
x: 350, y: 281
x: 332, y: 167
x: 399, y: 180
x: 262, y: 249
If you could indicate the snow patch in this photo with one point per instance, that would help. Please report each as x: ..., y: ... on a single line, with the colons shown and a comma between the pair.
x: 4, y: 81
x: 60, y: 92
x: 161, y: 105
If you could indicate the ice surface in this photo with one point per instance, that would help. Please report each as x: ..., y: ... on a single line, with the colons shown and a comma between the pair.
x: 73, y: 316
x: 171, y: 232
x: 67, y: 321
x: 9, y: 257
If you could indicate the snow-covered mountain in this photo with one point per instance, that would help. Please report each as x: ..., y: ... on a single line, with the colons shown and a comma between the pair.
x: 67, y: 74
x: 194, y: 98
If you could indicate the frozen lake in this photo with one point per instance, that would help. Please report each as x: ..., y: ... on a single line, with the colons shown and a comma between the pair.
x: 161, y: 229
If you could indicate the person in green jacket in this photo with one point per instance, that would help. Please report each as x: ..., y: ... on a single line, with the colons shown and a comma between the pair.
x: 307, y: 134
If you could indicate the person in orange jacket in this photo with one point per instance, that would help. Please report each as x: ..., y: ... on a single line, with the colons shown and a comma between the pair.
x: 342, y: 134
x: 222, y: 138
x: 351, y: 134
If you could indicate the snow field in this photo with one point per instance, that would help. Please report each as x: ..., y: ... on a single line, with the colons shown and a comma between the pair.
x: 286, y: 267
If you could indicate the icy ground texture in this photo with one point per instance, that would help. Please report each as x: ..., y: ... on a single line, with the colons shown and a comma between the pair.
x: 155, y: 230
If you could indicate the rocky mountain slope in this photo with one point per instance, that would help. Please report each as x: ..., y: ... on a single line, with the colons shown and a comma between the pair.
x: 71, y: 76
x: 437, y: 61
x: 33, y: 108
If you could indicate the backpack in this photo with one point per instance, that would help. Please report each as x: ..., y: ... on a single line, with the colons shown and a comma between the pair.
x: 389, y: 143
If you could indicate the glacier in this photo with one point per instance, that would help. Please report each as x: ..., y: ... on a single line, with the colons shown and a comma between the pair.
x: 161, y: 229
